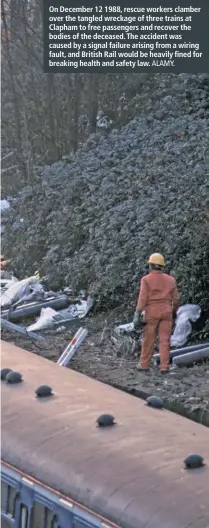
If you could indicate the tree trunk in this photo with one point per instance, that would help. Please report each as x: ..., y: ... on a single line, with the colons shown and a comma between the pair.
x: 76, y: 111
x: 93, y: 101
x: 18, y: 131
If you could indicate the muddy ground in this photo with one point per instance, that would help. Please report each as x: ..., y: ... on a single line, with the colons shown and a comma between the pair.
x: 113, y: 360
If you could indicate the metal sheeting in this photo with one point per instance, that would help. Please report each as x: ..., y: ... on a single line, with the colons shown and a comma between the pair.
x: 20, y: 330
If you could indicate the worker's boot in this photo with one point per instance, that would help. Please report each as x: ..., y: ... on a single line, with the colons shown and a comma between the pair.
x: 140, y: 369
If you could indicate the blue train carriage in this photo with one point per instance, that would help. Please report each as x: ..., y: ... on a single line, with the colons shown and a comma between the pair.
x: 59, y: 470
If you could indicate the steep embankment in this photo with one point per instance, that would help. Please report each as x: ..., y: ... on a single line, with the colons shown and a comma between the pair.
x: 94, y: 221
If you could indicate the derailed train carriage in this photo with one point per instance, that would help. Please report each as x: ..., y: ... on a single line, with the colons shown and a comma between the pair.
x: 59, y: 470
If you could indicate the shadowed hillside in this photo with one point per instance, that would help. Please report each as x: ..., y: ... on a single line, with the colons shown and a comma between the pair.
x: 92, y: 221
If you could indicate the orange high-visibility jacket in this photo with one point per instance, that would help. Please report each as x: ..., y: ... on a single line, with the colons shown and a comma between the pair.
x: 158, y: 294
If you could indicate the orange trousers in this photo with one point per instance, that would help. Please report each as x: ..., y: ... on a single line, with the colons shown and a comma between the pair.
x: 162, y: 327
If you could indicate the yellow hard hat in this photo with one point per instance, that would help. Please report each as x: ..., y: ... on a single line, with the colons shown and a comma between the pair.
x: 157, y: 258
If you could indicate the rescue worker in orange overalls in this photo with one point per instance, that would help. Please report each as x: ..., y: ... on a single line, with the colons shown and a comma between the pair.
x: 159, y: 299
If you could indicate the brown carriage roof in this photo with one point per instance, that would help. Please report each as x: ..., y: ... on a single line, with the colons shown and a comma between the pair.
x: 132, y: 473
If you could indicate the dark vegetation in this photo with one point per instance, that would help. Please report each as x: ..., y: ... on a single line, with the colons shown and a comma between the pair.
x: 96, y: 202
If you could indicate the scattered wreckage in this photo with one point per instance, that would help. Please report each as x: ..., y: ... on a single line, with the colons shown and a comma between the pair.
x: 180, y: 357
x: 31, y: 297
